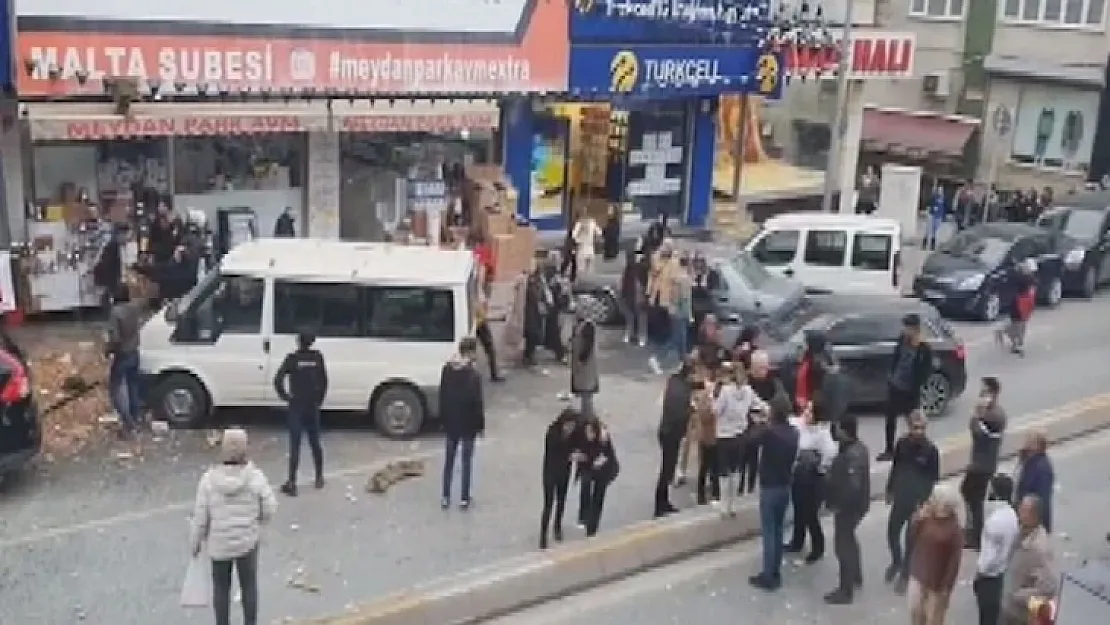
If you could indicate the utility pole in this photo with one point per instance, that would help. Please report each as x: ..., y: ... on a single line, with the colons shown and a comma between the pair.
x: 840, y: 120
x: 738, y: 159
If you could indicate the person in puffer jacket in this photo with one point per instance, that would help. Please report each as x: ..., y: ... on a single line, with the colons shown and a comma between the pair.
x: 733, y: 402
x: 234, y: 500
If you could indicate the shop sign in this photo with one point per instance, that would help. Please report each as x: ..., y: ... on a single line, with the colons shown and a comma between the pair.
x: 662, y: 71
x: 872, y: 55
x: 521, y: 47
x: 112, y: 127
x: 662, y: 21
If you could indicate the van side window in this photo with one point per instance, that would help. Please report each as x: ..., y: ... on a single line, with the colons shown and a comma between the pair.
x: 826, y: 248
x: 239, y: 302
x: 872, y: 251
x: 411, y: 313
x: 779, y: 247
x: 327, y: 309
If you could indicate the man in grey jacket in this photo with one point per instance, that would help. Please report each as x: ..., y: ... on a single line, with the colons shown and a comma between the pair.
x: 849, y: 498
x: 122, y: 347
x: 987, y: 426
x: 1031, y: 573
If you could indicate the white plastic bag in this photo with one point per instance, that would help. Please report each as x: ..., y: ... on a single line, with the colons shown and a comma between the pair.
x: 196, y: 592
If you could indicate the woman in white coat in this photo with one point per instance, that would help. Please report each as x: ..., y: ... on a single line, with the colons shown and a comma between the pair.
x: 585, y: 234
x: 234, y: 500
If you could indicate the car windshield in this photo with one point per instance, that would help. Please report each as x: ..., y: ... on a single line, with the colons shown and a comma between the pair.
x: 1081, y: 225
x: 989, y: 251
x: 751, y: 272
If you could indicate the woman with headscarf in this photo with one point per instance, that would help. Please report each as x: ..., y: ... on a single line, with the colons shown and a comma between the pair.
x: 558, y: 455
x: 938, y: 542
x: 234, y: 500
x: 598, y: 469
x: 611, y: 234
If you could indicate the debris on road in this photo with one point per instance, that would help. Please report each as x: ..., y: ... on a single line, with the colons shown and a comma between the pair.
x: 383, y: 479
x: 72, y: 396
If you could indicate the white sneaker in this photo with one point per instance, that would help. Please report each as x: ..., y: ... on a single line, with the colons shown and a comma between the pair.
x: 653, y: 363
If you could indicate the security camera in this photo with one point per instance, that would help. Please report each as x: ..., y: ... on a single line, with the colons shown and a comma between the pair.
x: 82, y: 76
x: 54, y: 72
x: 24, y: 111
x: 179, y: 87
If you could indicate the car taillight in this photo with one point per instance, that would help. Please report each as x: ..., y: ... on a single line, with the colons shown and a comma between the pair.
x: 961, y: 351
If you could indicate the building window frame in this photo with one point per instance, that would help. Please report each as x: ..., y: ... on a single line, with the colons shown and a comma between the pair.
x: 1053, y: 14
x: 948, y: 10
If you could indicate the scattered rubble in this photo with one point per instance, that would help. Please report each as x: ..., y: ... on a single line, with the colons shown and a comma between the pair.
x: 398, y: 471
x: 72, y: 397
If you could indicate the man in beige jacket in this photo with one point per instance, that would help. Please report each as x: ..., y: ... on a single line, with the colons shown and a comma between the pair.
x: 1031, y: 574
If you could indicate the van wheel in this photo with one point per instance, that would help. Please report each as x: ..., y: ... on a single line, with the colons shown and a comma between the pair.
x: 1090, y: 283
x: 398, y: 411
x: 181, y: 400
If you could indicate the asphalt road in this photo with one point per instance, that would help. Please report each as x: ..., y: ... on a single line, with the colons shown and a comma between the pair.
x: 104, y: 541
x: 713, y: 588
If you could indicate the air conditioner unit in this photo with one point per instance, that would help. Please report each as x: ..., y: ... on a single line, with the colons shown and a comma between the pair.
x: 936, y: 84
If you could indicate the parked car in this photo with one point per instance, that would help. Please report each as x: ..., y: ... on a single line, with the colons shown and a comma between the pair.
x: 20, y: 429
x: 832, y: 253
x: 974, y: 273
x: 746, y: 293
x: 863, y: 332
x: 1081, y: 230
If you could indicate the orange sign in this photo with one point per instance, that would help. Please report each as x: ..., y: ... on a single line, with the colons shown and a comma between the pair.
x: 69, y: 62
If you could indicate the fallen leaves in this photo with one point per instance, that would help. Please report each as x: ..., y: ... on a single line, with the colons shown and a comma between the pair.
x: 72, y: 396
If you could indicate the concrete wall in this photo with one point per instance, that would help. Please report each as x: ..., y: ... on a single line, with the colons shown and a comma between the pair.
x: 1058, y: 46
x: 939, y: 45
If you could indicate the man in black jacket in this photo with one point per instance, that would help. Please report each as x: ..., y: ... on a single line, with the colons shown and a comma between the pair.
x: 672, y: 427
x: 849, y: 498
x: 307, y: 388
x: 463, y: 415
x: 912, y: 365
x: 987, y: 426
x: 778, y: 447
x: 914, y: 473
x: 563, y: 435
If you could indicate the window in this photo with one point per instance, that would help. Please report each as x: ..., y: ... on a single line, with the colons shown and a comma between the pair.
x: 937, y: 8
x: 751, y: 272
x: 1023, y: 248
x: 411, y: 314
x: 854, y: 331
x: 872, y: 251
x: 1052, y: 12
x: 826, y: 248
x: 221, y: 304
x: 779, y: 247
x: 1085, y: 226
x: 327, y: 309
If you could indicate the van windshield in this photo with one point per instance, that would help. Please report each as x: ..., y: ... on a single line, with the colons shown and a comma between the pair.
x: 202, y: 286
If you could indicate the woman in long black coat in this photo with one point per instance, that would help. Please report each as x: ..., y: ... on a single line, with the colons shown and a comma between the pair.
x: 563, y: 435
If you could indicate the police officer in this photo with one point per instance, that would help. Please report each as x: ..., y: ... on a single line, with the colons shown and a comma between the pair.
x: 308, y: 385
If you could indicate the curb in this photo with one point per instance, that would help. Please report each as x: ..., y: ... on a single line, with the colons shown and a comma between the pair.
x: 509, y: 586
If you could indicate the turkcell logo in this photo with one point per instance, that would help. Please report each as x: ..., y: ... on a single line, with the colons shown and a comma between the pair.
x: 719, y: 12
x: 682, y: 72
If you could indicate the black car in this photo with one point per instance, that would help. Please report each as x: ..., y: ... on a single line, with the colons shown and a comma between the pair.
x: 20, y: 430
x: 974, y: 274
x: 745, y: 292
x: 1081, y: 228
x: 863, y: 332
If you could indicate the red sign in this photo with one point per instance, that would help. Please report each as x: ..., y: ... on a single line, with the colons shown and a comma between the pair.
x: 417, y: 123
x: 71, y: 56
x: 873, y: 55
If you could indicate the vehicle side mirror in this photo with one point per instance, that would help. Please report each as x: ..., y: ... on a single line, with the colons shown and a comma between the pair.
x: 172, y: 312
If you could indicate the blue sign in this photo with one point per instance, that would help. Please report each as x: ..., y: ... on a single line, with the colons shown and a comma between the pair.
x: 672, y: 71
x: 6, y: 60
x: 728, y: 22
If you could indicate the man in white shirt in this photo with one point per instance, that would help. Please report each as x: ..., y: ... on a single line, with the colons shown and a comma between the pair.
x: 816, y: 450
x: 1000, y: 534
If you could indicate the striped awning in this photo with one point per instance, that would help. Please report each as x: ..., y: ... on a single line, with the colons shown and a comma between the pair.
x: 97, y: 121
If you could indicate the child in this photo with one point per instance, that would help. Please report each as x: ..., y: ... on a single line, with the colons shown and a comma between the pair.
x: 733, y: 402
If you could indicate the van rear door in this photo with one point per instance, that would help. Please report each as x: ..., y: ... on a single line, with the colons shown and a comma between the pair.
x: 874, y: 261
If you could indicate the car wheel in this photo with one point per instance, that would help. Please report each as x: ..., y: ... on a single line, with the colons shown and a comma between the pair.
x: 181, y: 401
x: 1054, y: 293
x: 599, y: 308
x: 1090, y: 282
x: 398, y: 411
x: 991, y: 308
x: 936, y: 394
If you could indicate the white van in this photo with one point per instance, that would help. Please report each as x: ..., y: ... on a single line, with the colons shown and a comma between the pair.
x: 832, y: 253
x: 387, y: 317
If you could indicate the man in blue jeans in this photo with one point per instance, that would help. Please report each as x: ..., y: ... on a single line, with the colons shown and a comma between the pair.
x: 462, y: 412
x: 778, y: 446
x: 122, y: 345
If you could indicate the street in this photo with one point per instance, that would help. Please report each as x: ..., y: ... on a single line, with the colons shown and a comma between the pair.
x: 104, y: 541
x: 713, y: 588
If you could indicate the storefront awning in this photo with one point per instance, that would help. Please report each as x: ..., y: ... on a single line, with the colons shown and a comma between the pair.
x: 97, y: 121
x: 916, y: 134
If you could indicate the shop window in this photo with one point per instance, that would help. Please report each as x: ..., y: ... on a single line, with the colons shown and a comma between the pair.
x: 826, y: 248
x: 328, y: 310
x: 411, y: 314
x: 872, y: 251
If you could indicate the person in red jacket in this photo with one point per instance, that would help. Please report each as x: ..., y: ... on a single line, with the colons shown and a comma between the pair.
x: 1021, y: 308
